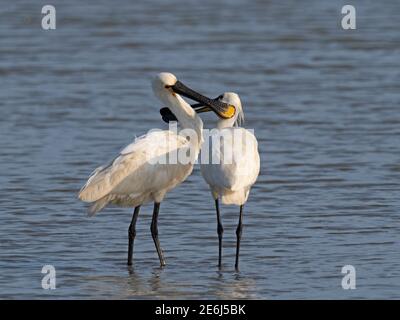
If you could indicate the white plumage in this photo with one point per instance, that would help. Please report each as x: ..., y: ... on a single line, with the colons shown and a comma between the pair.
x: 232, y: 178
x: 237, y: 157
x: 234, y: 165
x: 134, y: 177
x: 131, y: 179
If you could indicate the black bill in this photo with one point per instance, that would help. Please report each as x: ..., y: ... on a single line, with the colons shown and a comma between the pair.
x: 168, y: 116
x: 223, y: 110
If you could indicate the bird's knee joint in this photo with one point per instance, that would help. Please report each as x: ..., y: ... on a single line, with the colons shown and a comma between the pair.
x: 220, y: 229
x: 154, y: 231
x: 132, y: 233
x: 239, y: 232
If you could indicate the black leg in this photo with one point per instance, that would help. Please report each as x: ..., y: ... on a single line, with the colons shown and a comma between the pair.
x: 154, y: 233
x: 238, y: 237
x: 132, y: 234
x: 220, y: 231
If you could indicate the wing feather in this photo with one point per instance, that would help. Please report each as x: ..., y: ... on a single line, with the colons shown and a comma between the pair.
x: 131, y: 163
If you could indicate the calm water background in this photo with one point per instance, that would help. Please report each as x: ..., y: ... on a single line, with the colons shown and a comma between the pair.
x: 324, y: 104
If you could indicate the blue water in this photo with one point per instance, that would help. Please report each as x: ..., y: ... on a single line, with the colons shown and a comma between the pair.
x: 324, y: 104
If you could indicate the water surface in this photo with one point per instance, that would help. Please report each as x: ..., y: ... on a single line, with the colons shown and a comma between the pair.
x: 324, y: 104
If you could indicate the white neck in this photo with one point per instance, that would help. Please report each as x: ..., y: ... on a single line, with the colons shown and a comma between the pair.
x: 187, y: 117
x: 226, y: 123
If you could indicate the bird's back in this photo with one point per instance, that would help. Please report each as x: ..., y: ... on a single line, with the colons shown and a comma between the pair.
x: 140, y: 172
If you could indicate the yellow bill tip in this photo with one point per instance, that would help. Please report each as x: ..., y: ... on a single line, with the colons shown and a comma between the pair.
x: 229, y: 112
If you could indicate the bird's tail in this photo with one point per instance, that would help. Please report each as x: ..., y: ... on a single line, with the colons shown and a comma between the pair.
x: 97, y: 206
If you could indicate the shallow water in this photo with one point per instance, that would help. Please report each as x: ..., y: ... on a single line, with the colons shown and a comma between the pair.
x: 324, y: 104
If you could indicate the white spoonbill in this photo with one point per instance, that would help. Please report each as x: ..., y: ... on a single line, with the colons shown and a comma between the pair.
x: 236, y: 169
x: 234, y: 164
x: 134, y: 177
